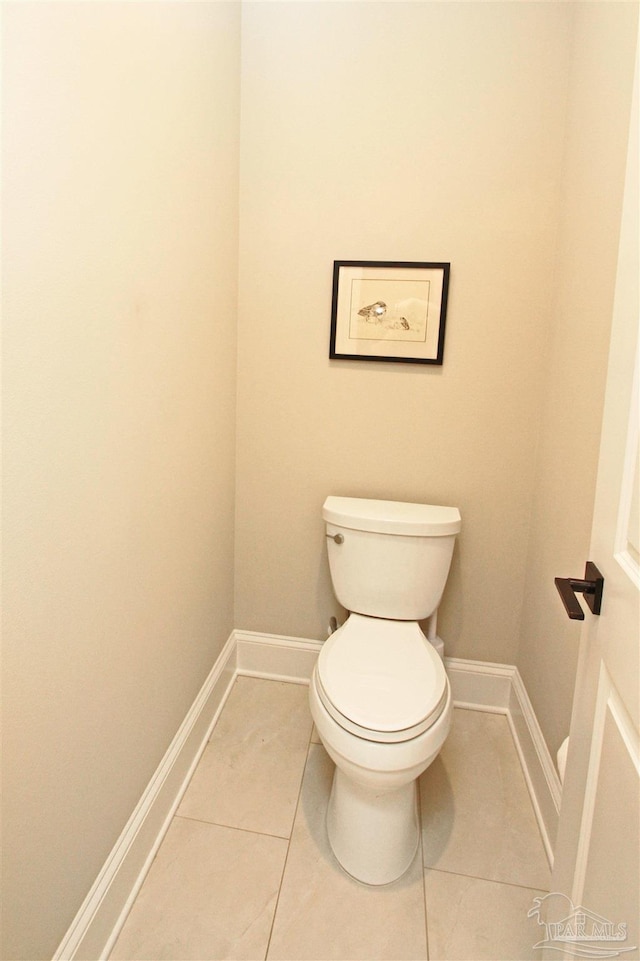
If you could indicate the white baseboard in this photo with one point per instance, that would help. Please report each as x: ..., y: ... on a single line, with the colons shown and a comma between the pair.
x: 475, y: 685
x: 479, y: 685
x: 540, y: 772
x: 99, y: 920
x: 276, y: 657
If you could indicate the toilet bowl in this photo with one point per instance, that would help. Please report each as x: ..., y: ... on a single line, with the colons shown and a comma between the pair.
x: 382, y: 724
x: 379, y: 694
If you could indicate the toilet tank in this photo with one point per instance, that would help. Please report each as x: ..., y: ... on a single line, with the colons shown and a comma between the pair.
x: 388, y: 558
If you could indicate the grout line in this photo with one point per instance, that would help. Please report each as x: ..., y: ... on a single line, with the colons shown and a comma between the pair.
x: 232, y: 827
x: 478, y: 877
x: 422, y: 869
x: 286, y: 859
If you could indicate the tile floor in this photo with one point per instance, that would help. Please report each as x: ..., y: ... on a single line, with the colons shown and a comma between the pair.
x: 245, y: 870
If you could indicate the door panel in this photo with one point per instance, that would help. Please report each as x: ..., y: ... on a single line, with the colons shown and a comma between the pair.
x: 597, y: 852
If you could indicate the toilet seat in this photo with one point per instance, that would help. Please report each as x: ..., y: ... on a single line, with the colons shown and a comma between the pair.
x: 381, y: 680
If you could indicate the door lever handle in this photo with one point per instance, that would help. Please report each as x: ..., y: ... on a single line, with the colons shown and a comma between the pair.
x: 592, y: 587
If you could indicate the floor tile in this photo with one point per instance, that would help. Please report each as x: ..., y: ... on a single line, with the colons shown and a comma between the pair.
x: 473, y: 918
x: 210, y: 893
x: 226, y: 874
x: 249, y: 775
x: 477, y: 816
x: 323, y: 913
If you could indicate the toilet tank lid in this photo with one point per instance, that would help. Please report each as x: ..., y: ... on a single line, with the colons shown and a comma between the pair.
x: 392, y: 517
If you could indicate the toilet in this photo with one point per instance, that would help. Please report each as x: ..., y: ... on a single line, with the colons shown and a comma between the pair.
x: 379, y: 694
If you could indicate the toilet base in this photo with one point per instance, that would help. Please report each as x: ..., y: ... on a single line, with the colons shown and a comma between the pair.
x: 373, y: 835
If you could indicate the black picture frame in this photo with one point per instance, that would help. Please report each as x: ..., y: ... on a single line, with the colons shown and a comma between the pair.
x: 389, y: 311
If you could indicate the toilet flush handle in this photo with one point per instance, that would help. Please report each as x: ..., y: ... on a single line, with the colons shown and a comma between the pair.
x: 338, y: 538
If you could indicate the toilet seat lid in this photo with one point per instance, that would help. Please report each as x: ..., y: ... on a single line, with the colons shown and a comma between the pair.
x: 381, y: 679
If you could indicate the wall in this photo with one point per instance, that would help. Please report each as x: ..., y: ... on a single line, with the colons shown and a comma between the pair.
x: 376, y: 131
x: 120, y: 255
x: 395, y: 131
x: 571, y: 407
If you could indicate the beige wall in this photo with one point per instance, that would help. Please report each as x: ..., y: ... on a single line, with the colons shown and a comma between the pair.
x: 393, y: 131
x: 571, y: 408
x: 120, y: 256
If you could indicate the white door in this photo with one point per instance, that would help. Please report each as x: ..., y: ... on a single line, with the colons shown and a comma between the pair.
x: 596, y: 878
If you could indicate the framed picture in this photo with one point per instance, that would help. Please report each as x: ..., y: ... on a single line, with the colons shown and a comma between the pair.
x: 389, y: 311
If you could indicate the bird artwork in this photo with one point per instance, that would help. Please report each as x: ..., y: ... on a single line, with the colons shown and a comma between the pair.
x: 374, y: 312
x: 379, y: 313
x: 376, y: 316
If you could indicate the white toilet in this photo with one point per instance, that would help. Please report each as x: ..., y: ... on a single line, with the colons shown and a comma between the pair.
x: 379, y: 695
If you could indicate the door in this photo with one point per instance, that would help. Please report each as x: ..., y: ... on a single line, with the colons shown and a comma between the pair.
x: 594, y: 907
